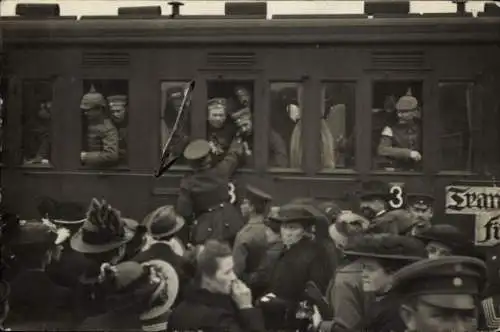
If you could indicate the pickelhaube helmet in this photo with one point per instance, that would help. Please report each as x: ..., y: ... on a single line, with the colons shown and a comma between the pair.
x: 92, y: 99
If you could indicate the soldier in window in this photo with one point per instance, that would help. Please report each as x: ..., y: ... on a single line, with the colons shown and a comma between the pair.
x: 119, y: 115
x: 220, y: 131
x: 39, y: 151
x: 400, y: 144
x: 101, y: 148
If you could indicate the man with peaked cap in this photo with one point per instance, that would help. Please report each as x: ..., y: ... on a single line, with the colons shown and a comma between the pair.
x: 251, y: 244
x: 204, y: 195
x: 139, y: 297
x: 101, y: 137
x: 36, y: 302
x: 220, y: 131
x: 440, y: 294
x: 401, y: 144
x: 103, y: 238
x: 420, y: 205
x: 4, y: 303
x: 380, y: 256
x: 301, y: 261
x: 119, y: 114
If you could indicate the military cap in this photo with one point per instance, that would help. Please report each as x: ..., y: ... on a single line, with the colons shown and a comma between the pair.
x: 117, y: 100
x: 254, y: 193
x: 294, y: 213
x: 407, y: 103
x: 448, y: 235
x: 62, y: 213
x: 92, y: 99
x: 163, y: 222
x: 374, y: 189
x: 175, y: 92
x: 217, y: 103
x: 386, y: 246
x: 34, y: 233
x: 452, y: 282
x: 420, y: 199
x: 197, y: 150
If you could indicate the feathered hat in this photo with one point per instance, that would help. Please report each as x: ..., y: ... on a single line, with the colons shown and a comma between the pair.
x: 103, y: 230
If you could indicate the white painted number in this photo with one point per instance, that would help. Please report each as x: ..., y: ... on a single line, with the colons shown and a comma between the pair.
x: 397, y: 201
x: 232, y: 194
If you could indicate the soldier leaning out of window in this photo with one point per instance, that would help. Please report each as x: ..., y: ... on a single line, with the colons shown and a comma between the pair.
x: 39, y: 149
x: 119, y: 116
x: 101, y: 135
x: 400, y: 144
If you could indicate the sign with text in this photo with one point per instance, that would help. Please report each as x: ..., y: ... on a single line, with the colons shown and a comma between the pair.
x: 471, y: 200
x: 487, y: 229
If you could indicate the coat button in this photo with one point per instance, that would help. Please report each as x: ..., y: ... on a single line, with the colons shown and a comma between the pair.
x: 226, y: 224
x: 209, y: 229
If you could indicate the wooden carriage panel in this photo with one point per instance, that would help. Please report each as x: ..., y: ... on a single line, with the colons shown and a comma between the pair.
x: 459, y: 61
x: 341, y: 61
x: 35, y: 62
x: 290, y: 62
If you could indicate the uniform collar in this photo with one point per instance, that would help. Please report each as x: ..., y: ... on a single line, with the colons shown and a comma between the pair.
x: 256, y: 219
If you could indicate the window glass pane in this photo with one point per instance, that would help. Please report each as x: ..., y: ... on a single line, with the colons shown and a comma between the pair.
x: 3, y: 111
x: 172, y: 94
x: 104, y: 108
x: 455, y: 108
x: 36, y: 120
x: 230, y: 116
x: 397, y: 126
x: 285, y: 138
x: 337, y: 125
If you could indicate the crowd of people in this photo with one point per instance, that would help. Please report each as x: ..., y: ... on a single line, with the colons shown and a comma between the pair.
x: 210, y: 263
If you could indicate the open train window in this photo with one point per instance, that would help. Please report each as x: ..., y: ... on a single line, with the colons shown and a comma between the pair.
x: 456, y: 129
x: 37, y: 122
x: 4, y: 86
x: 285, y: 137
x: 337, y: 125
x: 397, y: 126
x: 104, y: 107
x: 230, y: 109
x: 172, y: 94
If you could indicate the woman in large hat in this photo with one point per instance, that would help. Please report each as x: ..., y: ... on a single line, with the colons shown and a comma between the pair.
x: 139, y: 297
x: 103, y: 238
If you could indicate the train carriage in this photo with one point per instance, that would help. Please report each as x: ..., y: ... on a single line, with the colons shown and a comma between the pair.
x: 340, y: 73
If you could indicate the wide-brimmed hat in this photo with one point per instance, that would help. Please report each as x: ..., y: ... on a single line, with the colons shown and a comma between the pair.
x: 386, y: 246
x: 292, y: 213
x: 163, y: 222
x: 103, y: 230
x: 131, y: 283
x: 450, y: 236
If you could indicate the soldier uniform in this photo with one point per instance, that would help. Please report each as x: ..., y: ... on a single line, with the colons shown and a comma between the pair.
x: 118, y: 104
x: 220, y: 138
x: 440, y: 294
x: 102, y: 136
x: 398, y: 141
x: 204, y: 195
x: 420, y: 206
x: 251, y: 244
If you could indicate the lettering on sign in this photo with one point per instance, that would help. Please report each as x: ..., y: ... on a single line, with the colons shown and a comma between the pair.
x: 471, y: 200
x: 487, y: 228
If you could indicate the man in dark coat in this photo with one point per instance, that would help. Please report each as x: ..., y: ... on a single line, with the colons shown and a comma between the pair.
x: 301, y: 261
x: 119, y: 115
x: 101, y: 139
x: 204, y: 194
x: 380, y: 255
x: 218, y: 301
x: 440, y: 294
x: 251, y: 243
x: 36, y: 302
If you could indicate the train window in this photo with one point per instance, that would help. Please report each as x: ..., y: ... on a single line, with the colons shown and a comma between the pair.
x: 104, y: 123
x: 36, y: 121
x: 172, y: 94
x: 337, y: 125
x: 230, y: 117
x: 455, y: 108
x: 3, y: 104
x: 397, y: 126
x: 285, y: 138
